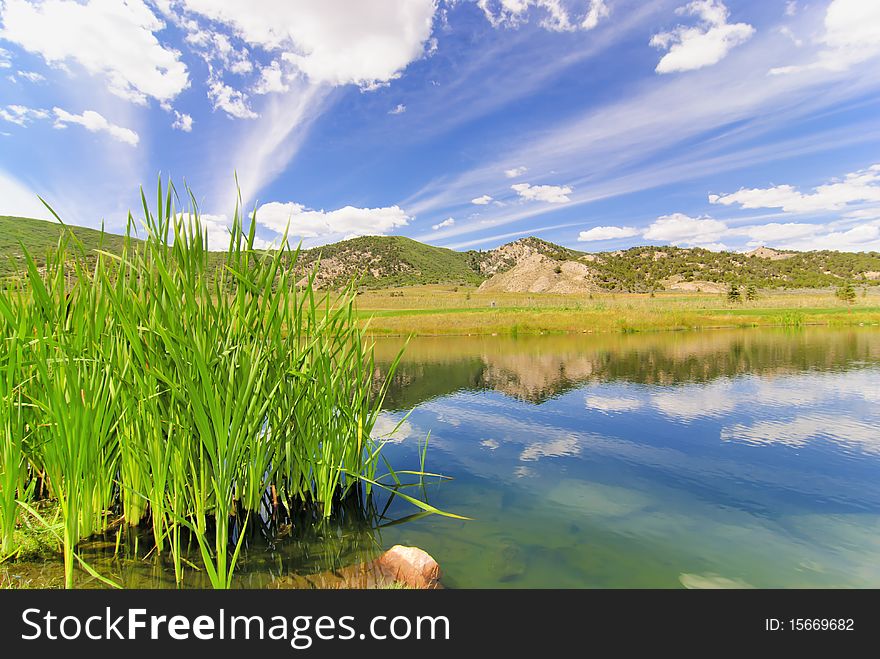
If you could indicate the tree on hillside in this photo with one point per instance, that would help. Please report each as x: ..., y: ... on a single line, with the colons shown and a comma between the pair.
x: 846, y: 292
x: 733, y: 293
x: 751, y: 292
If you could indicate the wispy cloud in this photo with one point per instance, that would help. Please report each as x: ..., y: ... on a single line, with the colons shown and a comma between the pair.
x: 851, y: 35
x: 22, y: 115
x: 630, y: 145
x: 95, y: 123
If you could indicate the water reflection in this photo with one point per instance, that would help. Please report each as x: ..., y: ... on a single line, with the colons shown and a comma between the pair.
x: 726, y: 459
x: 537, y: 368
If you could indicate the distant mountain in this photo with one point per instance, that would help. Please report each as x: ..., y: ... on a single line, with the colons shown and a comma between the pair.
x: 525, y: 265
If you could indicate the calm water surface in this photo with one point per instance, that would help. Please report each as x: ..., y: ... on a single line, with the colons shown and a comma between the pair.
x: 701, y: 459
x: 707, y: 459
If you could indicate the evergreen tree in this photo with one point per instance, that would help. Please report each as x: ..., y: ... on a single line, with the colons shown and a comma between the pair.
x: 733, y: 293
x: 751, y: 292
x: 846, y: 292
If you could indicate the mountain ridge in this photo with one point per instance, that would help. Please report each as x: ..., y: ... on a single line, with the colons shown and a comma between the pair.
x: 529, y: 264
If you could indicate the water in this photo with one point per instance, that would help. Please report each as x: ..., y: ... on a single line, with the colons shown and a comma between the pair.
x: 690, y: 459
x: 708, y: 459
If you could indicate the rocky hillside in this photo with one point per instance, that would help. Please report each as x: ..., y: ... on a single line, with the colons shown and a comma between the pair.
x: 525, y: 265
x: 538, y: 273
x: 537, y: 266
x: 507, y: 256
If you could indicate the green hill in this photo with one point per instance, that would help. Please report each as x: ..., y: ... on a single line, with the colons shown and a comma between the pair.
x: 388, y: 261
x: 381, y: 261
x: 40, y: 237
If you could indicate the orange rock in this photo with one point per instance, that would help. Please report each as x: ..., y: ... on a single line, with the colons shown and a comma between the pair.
x: 410, y: 566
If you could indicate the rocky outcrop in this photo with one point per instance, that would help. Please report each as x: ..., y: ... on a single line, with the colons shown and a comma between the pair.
x: 696, y: 286
x: 538, y: 273
x: 767, y: 253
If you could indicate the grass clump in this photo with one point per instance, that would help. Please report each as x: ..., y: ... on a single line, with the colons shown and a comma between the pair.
x: 189, y: 399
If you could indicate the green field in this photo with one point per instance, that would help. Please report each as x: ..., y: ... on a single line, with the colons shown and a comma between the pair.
x: 436, y: 310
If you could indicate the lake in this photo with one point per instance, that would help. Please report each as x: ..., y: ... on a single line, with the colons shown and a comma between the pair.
x: 746, y: 458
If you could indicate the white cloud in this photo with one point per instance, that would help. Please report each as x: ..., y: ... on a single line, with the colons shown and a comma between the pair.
x: 680, y: 229
x: 216, y: 228
x: 347, y: 221
x: 775, y: 233
x: 690, y: 48
x: 791, y: 8
x: 232, y: 101
x: 90, y: 120
x: 400, y: 108
x: 20, y: 200
x: 21, y: 115
x: 597, y: 11
x: 552, y: 194
x: 30, y: 76
x: 448, y: 222
x: 272, y: 79
x: 516, y: 171
x: 512, y: 13
x: 482, y: 201
x: 215, y: 48
x: 264, y: 148
x: 713, y: 247
x: 858, y: 239
x: 241, y: 66
x: 860, y: 186
x: 108, y: 38
x: 554, y: 14
x: 852, y: 35
x: 333, y: 41
x: 787, y: 32
x: 95, y: 123
x: 182, y: 121
x: 607, y: 233
x: 5, y: 59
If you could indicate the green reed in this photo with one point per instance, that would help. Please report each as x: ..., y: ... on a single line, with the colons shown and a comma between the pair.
x: 177, y: 389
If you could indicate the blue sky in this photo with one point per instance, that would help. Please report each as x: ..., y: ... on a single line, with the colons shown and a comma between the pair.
x: 596, y: 124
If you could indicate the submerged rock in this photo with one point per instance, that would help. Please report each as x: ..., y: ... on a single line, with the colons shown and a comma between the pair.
x: 399, y: 567
x: 507, y: 562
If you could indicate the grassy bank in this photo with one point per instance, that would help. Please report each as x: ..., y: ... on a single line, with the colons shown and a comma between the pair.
x: 149, y: 389
x: 437, y: 310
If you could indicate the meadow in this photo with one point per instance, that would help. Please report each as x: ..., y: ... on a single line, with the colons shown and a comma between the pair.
x: 450, y: 310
